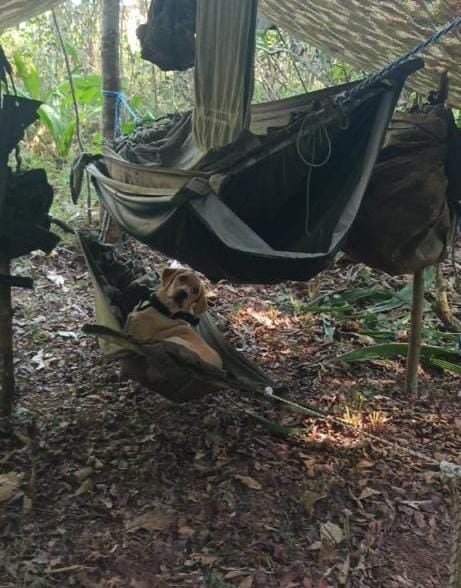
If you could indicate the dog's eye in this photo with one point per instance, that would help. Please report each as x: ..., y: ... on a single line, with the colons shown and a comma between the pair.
x: 182, y: 279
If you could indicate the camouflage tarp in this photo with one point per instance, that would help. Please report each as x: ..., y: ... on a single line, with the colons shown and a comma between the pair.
x: 368, y: 35
x: 12, y: 12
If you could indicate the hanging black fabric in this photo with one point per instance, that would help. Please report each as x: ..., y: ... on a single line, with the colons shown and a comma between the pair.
x: 240, y: 212
x: 168, y: 37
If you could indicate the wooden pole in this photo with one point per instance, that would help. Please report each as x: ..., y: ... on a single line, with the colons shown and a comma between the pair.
x: 6, y: 312
x: 455, y: 563
x: 6, y: 347
x: 414, y: 342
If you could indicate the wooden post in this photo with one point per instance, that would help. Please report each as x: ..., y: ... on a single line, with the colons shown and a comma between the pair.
x: 6, y: 313
x: 414, y: 342
x: 6, y: 347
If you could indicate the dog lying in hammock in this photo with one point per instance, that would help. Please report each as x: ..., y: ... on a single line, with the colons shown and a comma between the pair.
x: 171, y: 313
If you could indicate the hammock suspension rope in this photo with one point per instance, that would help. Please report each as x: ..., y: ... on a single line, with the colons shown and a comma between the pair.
x: 120, y: 100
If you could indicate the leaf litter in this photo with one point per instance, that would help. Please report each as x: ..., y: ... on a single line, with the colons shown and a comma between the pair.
x: 106, y: 484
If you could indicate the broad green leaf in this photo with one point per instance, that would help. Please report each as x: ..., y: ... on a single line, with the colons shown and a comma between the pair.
x: 446, y: 365
x: 27, y: 72
x: 127, y: 127
x: 394, y: 350
x: 65, y: 142
x: 52, y: 120
x: 87, y: 89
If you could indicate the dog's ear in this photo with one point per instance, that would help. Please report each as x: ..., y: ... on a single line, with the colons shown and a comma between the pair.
x: 201, y: 306
x: 168, y: 276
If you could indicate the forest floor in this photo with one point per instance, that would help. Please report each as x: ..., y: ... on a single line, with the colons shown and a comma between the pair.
x: 112, y: 486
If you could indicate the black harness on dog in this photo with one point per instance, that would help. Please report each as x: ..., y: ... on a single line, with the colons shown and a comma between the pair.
x: 158, y: 305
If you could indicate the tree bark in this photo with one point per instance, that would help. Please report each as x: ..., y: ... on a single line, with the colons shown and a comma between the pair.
x: 110, y: 61
x: 414, y: 343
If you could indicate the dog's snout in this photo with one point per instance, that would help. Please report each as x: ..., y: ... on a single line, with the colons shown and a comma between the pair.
x: 181, y: 295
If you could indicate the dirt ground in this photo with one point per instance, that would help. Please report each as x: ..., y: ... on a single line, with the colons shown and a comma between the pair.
x: 116, y: 487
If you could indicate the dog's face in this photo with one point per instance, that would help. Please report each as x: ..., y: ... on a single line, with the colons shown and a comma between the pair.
x: 183, y: 291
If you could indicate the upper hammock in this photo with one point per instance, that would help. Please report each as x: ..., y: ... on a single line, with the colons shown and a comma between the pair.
x: 256, y: 211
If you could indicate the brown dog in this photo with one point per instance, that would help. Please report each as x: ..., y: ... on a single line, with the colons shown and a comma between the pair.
x: 181, y: 293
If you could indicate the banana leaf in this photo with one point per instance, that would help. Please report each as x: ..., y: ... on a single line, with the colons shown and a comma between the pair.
x: 393, y: 350
x: 447, y: 365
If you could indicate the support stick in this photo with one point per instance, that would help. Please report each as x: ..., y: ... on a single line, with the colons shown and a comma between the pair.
x: 6, y: 346
x: 455, y: 563
x: 414, y: 343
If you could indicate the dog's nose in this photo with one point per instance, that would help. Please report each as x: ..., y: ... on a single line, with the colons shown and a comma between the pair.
x: 181, y: 295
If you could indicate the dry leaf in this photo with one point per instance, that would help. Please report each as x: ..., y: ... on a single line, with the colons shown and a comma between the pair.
x: 234, y: 574
x: 368, y: 492
x: 309, y: 500
x: 344, y: 572
x: 420, y: 520
x: 136, y: 583
x: 85, y: 487
x: 83, y: 473
x: 331, y: 532
x: 152, y: 520
x: 185, y: 532
x: 55, y: 278
x: 315, y: 546
x: 246, y: 583
x: 249, y: 482
x: 365, y: 464
x: 26, y: 504
x: 9, y: 483
x: 37, y: 359
x: 207, y: 560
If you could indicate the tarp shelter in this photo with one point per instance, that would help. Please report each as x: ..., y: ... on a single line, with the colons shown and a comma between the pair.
x: 12, y: 12
x: 367, y: 35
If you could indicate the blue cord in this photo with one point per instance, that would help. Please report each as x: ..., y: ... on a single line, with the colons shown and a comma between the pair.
x: 120, y: 100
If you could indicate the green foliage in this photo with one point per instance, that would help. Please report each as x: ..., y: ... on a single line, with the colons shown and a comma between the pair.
x: 57, y: 113
x: 365, y: 300
x: 382, y: 314
x: 28, y: 74
x: 457, y: 115
x: 394, y: 350
x: 447, y: 365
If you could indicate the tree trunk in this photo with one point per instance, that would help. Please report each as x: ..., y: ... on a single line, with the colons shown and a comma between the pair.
x: 110, y: 63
